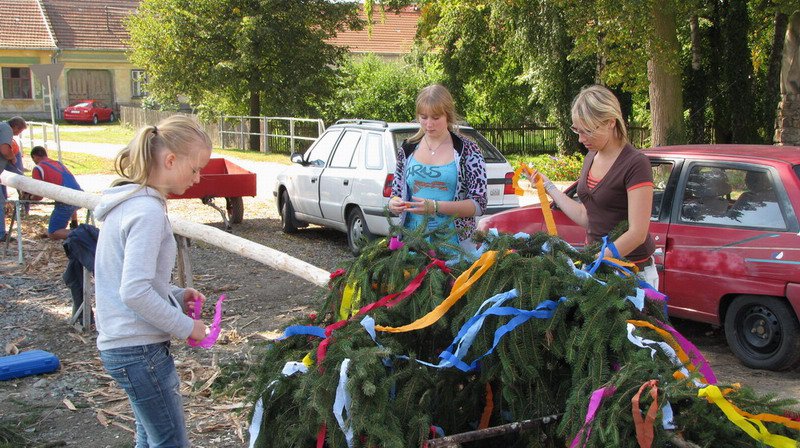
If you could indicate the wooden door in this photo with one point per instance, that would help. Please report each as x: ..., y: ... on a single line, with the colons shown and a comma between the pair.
x: 90, y: 85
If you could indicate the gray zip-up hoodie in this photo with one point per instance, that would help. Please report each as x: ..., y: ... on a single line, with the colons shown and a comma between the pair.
x: 136, y: 304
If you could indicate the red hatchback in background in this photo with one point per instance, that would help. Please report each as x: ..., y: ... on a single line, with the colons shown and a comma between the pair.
x: 725, y: 223
x: 89, y: 111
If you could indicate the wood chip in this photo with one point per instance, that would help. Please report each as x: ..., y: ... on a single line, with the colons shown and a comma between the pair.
x: 228, y: 407
x: 11, y: 347
x: 101, y: 417
x: 207, y: 384
x: 125, y: 427
x: 78, y: 337
x: 69, y: 404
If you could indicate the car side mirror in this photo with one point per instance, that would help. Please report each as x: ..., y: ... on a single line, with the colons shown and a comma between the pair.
x: 297, y: 157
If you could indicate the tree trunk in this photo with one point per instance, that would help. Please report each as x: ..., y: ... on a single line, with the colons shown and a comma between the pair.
x: 696, y: 87
x: 255, y: 123
x: 738, y: 68
x: 666, y: 94
x: 719, y: 103
x: 773, y: 88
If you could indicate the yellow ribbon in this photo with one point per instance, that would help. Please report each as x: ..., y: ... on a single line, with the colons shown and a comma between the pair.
x: 546, y: 211
x: 351, y: 297
x: 752, y: 426
x: 460, y: 287
x: 525, y: 169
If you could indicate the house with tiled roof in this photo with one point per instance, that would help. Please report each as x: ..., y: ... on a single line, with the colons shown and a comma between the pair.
x: 89, y: 38
x: 391, y: 35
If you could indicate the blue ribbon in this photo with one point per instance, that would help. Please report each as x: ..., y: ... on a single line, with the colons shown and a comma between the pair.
x: 306, y: 330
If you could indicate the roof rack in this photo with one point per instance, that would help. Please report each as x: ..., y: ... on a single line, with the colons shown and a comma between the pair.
x: 361, y: 121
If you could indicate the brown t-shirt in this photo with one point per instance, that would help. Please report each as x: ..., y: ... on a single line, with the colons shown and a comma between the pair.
x: 607, y: 203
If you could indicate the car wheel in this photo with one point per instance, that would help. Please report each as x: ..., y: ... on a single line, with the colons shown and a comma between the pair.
x: 288, y: 223
x: 94, y: 119
x: 356, y: 230
x: 235, y: 209
x: 111, y: 118
x: 763, y: 332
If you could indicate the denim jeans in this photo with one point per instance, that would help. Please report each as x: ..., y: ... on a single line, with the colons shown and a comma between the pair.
x: 147, y: 374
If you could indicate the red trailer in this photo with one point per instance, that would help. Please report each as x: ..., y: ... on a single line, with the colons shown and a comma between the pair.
x: 223, y: 178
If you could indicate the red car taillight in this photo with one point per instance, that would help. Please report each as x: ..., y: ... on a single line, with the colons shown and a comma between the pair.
x: 387, y: 186
x: 508, y: 184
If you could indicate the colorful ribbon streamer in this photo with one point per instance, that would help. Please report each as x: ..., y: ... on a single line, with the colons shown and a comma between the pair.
x: 752, y: 426
x: 216, y: 324
x: 644, y: 426
x: 594, y: 404
x: 343, y: 402
x: 460, y: 287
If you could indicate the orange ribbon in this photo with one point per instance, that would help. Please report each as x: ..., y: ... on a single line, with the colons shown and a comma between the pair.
x: 487, y: 409
x: 644, y: 426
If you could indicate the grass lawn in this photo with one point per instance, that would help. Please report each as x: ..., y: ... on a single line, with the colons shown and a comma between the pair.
x: 78, y: 163
x: 114, y: 133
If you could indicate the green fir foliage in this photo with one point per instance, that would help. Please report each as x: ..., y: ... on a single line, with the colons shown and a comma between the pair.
x: 543, y: 367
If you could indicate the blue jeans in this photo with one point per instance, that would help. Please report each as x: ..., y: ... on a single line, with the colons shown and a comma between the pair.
x: 147, y: 374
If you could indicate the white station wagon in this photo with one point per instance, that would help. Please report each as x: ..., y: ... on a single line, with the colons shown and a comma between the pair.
x: 344, y: 179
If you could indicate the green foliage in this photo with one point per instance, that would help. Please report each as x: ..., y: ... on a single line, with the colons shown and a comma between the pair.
x: 372, y: 88
x: 556, y: 168
x: 542, y: 367
x: 218, y: 53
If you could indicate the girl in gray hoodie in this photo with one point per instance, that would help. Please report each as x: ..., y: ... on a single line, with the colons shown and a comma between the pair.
x: 138, y: 309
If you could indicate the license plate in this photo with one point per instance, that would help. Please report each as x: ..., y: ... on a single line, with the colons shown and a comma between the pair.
x: 74, y: 112
x: 495, y: 194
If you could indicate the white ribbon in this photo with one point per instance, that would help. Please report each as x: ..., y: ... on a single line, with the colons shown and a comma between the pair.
x: 343, y: 402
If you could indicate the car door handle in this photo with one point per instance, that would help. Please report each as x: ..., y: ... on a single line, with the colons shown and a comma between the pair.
x: 313, y: 180
x: 346, y: 182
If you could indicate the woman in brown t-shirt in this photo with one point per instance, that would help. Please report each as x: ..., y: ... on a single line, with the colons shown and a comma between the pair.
x: 616, y: 181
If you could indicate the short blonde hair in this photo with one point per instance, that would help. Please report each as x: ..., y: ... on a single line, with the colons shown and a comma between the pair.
x: 177, y: 133
x: 435, y: 99
x: 595, y: 105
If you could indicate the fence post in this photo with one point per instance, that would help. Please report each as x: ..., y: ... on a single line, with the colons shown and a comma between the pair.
x: 266, y: 135
x: 291, y: 133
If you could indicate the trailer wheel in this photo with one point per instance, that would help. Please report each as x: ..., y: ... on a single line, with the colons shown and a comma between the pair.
x: 235, y: 208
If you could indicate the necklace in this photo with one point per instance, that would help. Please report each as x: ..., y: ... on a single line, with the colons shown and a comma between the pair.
x: 431, y: 148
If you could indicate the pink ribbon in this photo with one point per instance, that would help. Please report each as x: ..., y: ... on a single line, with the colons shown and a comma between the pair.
x: 594, y: 405
x: 395, y: 243
x: 695, y: 356
x: 652, y: 294
x: 216, y: 324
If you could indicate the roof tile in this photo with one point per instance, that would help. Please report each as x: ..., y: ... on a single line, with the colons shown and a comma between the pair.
x: 95, y: 25
x: 392, y: 33
x: 24, y: 26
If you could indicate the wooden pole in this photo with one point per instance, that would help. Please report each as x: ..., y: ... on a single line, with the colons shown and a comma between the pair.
x: 200, y: 232
x: 495, y: 431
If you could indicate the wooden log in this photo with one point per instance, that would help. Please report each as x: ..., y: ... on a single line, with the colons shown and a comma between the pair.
x: 495, y: 431
x: 200, y: 232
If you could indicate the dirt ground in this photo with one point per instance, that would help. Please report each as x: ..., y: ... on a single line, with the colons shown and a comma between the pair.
x: 80, y: 406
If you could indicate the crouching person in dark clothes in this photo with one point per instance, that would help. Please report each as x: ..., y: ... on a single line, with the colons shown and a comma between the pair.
x: 79, y: 246
x: 55, y: 172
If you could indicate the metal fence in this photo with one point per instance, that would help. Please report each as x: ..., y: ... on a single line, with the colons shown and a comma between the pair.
x: 282, y: 135
x: 533, y: 139
x: 41, y: 133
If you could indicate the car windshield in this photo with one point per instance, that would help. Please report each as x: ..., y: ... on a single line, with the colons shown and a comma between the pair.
x: 490, y: 153
x: 83, y: 105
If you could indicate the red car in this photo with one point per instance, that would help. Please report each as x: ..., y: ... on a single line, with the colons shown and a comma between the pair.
x: 725, y: 223
x: 89, y: 111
